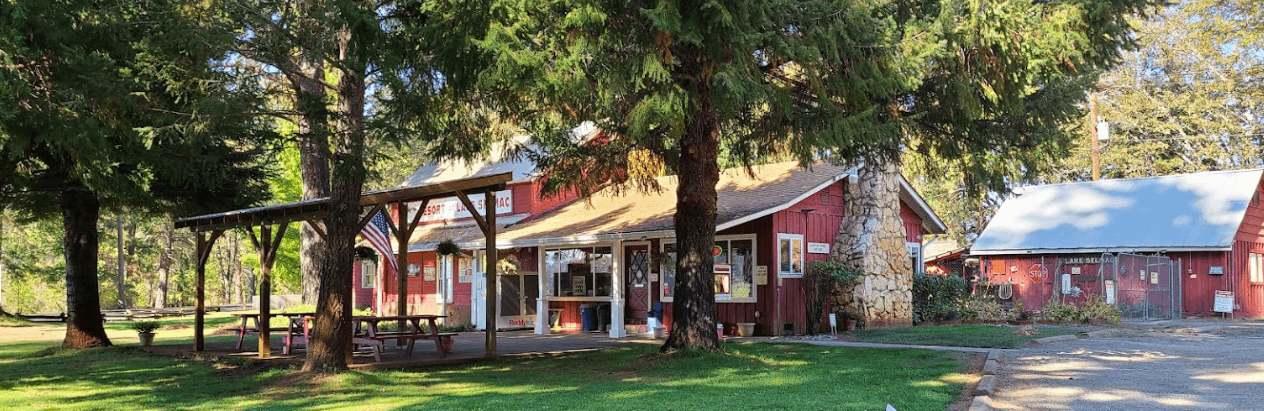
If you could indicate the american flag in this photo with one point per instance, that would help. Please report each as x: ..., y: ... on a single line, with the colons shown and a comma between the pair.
x: 378, y: 235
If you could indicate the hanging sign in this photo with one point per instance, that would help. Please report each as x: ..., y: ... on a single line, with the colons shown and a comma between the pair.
x: 1110, y: 291
x: 1066, y: 283
x: 1224, y: 302
x: 413, y: 270
x: 716, y: 251
x: 818, y: 248
x: 1215, y: 270
x: 761, y: 275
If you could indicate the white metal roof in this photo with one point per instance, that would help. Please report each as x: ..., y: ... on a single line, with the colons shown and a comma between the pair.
x: 1187, y: 212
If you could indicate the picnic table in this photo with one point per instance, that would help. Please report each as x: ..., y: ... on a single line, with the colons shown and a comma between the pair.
x: 374, y: 336
x: 244, y: 328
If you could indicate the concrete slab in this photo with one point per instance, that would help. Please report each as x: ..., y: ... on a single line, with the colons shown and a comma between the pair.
x: 981, y: 403
x: 987, y: 385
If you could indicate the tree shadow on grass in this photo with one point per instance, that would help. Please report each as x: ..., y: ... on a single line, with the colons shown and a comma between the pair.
x: 749, y: 376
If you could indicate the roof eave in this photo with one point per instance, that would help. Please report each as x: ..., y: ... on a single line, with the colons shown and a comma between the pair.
x: 1083, y: 250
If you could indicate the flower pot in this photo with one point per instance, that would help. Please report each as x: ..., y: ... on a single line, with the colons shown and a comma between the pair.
x: 746, y: 329
x: 146, y: 339
x: 849, y: 325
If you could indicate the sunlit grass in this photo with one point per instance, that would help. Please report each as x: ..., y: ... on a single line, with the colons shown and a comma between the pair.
x: 748, y: 376
x: 985, y: 336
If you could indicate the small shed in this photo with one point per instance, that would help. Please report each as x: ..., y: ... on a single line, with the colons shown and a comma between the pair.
x: 1162, y: 246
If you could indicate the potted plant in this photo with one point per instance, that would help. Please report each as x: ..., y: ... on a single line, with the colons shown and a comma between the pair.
x: 145, y: 330
x: 849, y: 319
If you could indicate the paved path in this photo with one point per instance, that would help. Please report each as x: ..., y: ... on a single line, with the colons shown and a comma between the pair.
x: 1170, y: 365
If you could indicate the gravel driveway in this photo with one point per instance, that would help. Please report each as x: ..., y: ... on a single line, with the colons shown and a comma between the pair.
x: 1164, y: 365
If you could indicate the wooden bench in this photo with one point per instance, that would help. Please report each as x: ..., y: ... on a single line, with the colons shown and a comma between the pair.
x: 443, y: 342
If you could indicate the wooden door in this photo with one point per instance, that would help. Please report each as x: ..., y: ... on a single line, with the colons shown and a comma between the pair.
x: 636, y: 274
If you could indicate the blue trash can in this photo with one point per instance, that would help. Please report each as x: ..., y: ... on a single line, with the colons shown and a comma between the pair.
x: 588, y: 316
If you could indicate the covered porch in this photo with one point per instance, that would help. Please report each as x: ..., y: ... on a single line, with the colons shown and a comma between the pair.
x: 266, y: 226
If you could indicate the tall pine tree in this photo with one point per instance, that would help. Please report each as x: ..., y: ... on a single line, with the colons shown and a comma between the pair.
x: 673, y: 81
x: 109, y: 104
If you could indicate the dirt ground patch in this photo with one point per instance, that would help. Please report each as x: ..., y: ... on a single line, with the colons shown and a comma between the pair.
x: 974, y: 367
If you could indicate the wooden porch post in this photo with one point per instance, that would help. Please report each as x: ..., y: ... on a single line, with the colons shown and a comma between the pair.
x: 487, y: 223
x: 492, y: 279
x: 267, y: 245
x: 404, y: 232
x: 204, y: 244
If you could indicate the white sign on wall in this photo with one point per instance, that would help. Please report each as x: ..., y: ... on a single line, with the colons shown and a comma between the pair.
x: 818, y: 248
x: 452, y: 208
x: 1224, y: 302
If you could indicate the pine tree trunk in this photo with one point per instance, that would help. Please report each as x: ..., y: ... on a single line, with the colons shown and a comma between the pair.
x: 84, y: 323
x: 164, y: 267
x: 331, y: 345
x: 122, y: 268
x: 693, y: 312
x: 314, y: 166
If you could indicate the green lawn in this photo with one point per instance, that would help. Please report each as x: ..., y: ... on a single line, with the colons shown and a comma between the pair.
x: 986, y: 336
x: 749, y: 376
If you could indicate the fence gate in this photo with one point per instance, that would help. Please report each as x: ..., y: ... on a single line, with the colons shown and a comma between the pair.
x: 1142, y: 286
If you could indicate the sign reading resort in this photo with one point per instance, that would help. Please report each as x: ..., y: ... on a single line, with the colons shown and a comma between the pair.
x: 451, y: 208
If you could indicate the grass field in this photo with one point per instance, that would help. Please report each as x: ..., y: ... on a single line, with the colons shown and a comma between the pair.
x: 37, y: 375
x: 986, y: 336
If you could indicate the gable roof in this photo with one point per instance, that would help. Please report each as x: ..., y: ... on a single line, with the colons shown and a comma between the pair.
x: 740, y: 198
x: 498, y: 161
x: 1186, y: 212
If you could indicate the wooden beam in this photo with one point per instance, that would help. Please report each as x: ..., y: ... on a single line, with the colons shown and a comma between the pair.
x: 276, y: 244
x: 367, y: 217
x: 482, y: 223
x: 491, y: 280
x: 317, y: 226
x: 204, y: 244
x: 412, y: 225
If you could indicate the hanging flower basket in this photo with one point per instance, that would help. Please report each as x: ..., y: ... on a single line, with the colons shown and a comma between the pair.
x: 447, y: 247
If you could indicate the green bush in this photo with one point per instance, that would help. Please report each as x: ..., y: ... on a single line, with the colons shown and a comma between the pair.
x: 1094, y: 309
x: 938, y: 298
x: 984, y: 308
x: 817, y: 286
x: 146, y: 327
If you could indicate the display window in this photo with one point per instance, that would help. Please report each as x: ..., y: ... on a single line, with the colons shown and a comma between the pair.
x: 734, y: 269
x: 579, y: 271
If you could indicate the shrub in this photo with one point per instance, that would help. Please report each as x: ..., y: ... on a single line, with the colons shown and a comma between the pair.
x: 938, y: 298
x: 1056, y: 310
x: 819, y: 281
x: 146, y: 327
x: 1097, y: 309
x: 983, y: 308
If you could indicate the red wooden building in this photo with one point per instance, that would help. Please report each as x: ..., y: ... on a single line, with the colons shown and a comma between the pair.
x: 611, y: 255
x: 1156, y: 247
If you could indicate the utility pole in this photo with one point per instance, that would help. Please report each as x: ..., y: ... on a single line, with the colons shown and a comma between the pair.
x: 1092, y: 134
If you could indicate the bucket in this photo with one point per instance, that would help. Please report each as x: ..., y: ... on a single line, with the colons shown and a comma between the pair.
x: 746, y: 329
x: 719, y: 330
x: 660, y: 333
